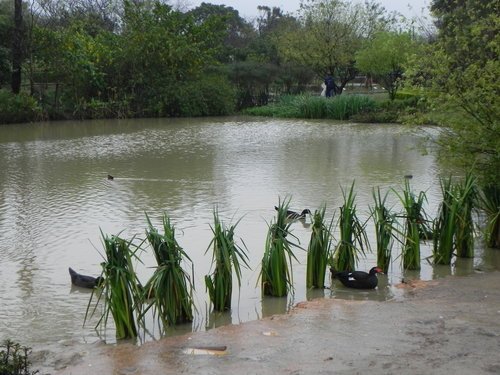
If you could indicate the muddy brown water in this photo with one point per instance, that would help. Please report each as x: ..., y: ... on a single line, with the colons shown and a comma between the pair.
x: 55, y: 198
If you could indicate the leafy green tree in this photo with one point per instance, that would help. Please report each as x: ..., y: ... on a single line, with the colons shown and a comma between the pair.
x: 6, y: 24
x: 459, y: 72
x: 239, y: 33
x: 385, y: 57
x: 330, y: 34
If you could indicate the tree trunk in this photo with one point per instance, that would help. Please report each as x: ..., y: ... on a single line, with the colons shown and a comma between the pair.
x: 17, y: 52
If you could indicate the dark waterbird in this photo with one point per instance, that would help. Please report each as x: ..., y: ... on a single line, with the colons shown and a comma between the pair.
x: 295, y: 215
x: 358, y: 279
x: 110, y: 177
x: 84, y: 281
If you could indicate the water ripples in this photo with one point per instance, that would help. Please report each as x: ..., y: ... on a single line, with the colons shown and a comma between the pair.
x: 55, y: 199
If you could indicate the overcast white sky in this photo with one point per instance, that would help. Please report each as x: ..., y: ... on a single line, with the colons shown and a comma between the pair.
x: 248, y: 8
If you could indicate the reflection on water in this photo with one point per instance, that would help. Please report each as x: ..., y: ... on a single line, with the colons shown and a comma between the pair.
x: 55, y: 198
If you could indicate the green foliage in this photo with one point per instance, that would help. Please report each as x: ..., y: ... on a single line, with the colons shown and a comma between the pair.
x: 276, y: 273
x: 384, y: 222
x: 18, y: 108
x: 353, y: 237
x: 489, y: 203
x: 459, y: 74
x: 330, y: 33
x: 121, y: 288
x: 384, y: 58
x: 319, y: 250
x: 227, y: 255
x: 414, y: 216
x: 170, y: 286
x: 454, y: 227
x: 317, y: 107
x: 14, y: 359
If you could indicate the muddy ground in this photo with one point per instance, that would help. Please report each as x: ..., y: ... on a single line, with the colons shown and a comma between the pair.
x: 450, y: 326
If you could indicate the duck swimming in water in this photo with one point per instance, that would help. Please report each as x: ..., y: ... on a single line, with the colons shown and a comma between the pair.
x: 84, y: 281
x: 358, y: 279
x: 292, y: 215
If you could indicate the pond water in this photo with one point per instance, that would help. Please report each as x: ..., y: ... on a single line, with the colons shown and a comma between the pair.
x: 55, y: 199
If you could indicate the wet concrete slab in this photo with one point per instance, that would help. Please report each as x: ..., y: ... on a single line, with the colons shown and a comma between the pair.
x: 450, y: 326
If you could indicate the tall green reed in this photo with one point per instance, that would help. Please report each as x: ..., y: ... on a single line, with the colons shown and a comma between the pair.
x: 227, y: 256
x: 489, y: 203
x: 276, y: 273
x: 414, y: 214
x: 121, y: 288
x: 319, y: 250
x: 340, y: 107
x: 170, y: 286
x: 353, y: 237
x: 466, y: 196
x: 384, y: 222
x: 454, y: 226
x: 444, y: 238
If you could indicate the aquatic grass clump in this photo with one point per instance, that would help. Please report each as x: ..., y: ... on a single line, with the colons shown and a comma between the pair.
x: 227, y: 256
x: 384, y: 222
x: 414, y: 215
x: 353, y: 237
x: 454, y: 225
x: 445, y: 225
x: 276, y: 273
x: 343, y: 107
x: 466, y: 196
x: 170, y: 286
x: 489, y: 203
x: 319, y: 250
x: 340, y: 107
x: 121, y: 288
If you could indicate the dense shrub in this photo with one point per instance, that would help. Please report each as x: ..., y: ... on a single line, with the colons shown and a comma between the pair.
x: 18, y: 108
x: 14, y: 359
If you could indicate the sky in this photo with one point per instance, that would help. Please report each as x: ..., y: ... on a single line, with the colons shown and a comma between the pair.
x: 248, y: 8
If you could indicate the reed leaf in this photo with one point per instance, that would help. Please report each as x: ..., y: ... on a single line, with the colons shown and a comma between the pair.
x: 170, y: 286
x: 319, y: 250
x: 276, y: 273
x: 353, y: 237
x: 227, y: 257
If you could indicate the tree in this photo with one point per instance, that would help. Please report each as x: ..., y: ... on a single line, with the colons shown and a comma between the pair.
x: 330, y: 34
x: 460, y: 74
x: 385, y: 57
x: 238, y: 32
x: 17, y: 46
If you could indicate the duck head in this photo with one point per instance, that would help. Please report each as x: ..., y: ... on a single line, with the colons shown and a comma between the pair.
x: 376, y: 270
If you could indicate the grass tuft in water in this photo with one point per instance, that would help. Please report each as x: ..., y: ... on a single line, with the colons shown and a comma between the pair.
x: 276, y: 273
x: 170, y: 286
x: 227, y: 256
x: 466, y: 196
x: 340, y: 107
x: 414, y: 215
x: 384, y: 222
x: 319, y: 250
x: 121, y: 288
x: 353, y: 237
x: 489, y: 203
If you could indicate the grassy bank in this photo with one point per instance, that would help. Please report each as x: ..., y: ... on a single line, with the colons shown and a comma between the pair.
x: 356, y: 107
